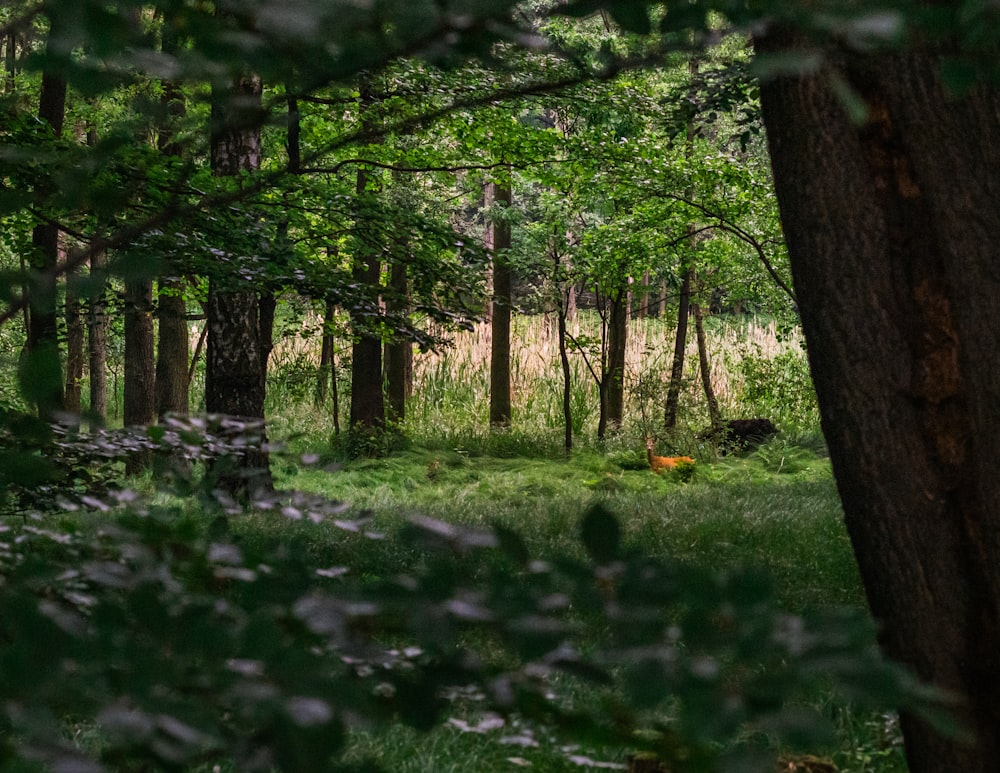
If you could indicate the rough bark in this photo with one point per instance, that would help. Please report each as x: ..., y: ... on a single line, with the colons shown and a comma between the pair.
x: 41, y: 367
x: 172, y: 352
x: 97, y: 348
x: 367, y: 399
x: 680, y: 344
x: 234, y: 369
x: 75, y: 342
x: 398, y: 354
x: 138, y: 407
x: 367, y: 413
x: 498, y: 243
x: 567, y: 395
x: 892, y: 229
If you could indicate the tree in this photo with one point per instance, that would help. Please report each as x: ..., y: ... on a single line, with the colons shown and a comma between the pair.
x: 43, y: 371
x: 172, y: 392
x: 891, y: 222
x: 680, y: 346
x: 367, y: 396
x: 138, y: 408
x: 235, y: 365
x: 498, y: 197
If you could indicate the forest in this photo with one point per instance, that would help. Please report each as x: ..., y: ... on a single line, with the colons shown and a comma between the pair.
x: 445, y: 385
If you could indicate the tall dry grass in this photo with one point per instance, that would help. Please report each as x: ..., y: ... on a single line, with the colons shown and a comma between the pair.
x: 756, y: 371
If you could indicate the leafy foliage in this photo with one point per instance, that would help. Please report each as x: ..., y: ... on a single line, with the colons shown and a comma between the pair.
x: 184, y: 642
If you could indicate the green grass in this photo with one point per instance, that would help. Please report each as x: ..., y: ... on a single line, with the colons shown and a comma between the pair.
x: 777, y: 508
x: 736, y: 511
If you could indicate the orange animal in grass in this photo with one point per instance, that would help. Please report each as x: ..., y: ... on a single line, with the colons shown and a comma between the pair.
x: 660, y: 463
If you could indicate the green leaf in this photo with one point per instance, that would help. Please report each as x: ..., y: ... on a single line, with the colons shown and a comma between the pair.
x: 510, y: 543
x: 601, y: 534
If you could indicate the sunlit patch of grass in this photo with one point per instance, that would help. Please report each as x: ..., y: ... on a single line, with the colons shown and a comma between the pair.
x: 737, y: 511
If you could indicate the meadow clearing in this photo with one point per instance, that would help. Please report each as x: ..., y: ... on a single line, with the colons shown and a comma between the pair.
x: 775, y: 507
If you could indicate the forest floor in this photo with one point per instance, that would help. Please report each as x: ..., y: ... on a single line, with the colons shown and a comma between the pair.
x: 775, y: 508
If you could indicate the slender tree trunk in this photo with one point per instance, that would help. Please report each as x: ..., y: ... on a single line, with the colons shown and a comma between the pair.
x: 715, y: 417
x: 234, y: 375
x: 567, y: 394
x: 617, y: 345
x: 97, y: 347
x: 41, y: 370
x: 892, y: 227
x: 498, y: 243
x: 139, y: 406
x: 680, y: 344
x: 75, y: 342
x: 326, y: 359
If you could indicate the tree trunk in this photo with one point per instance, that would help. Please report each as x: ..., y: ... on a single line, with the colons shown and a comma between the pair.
x: 172, y: 383
x: 567, y: 394
x: 680, y: 344
x: 139, y: 407
x: 97, y: 348
x: 41, y: 369
x: 367, y: 398
x: 234, y: 369
x: 398, y: 354
x: 172, y: 394
x: 617, y: 344
x: 705, y: 366
x: 75, y: 341
x: 892, y: 227
x: 498, y: 243
x: 326, y: 371
x: 367, y: 414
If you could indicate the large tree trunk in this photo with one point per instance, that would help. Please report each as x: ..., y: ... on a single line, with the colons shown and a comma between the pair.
x: 41, y: 367
x: 139, y: 407
x: 892, y: 227
x: 367, y: 398
x: 680, y: 344
x: 398, y: 354
x: 367, y: 413
x: 498, y: 243
x: 234, y: 375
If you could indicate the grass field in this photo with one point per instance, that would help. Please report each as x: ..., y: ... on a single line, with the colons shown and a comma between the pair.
x: 776, y: 508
